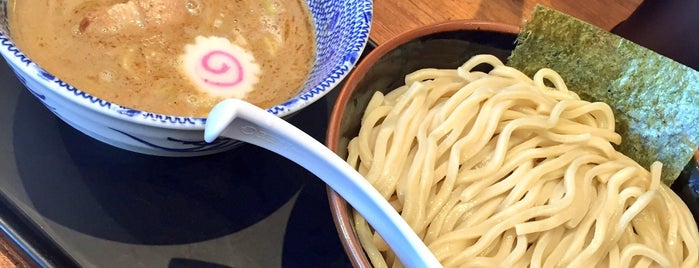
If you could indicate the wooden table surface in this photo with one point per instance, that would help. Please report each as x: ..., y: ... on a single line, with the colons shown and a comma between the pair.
x: 392, y: 17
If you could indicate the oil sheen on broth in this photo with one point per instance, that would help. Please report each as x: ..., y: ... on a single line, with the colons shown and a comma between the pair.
x: 127, y: 52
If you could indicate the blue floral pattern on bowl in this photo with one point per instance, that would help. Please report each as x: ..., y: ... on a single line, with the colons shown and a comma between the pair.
x: 340, y: 40
x: 342, y: 31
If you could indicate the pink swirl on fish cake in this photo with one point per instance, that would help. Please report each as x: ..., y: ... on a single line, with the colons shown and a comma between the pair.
x: 220, y: 68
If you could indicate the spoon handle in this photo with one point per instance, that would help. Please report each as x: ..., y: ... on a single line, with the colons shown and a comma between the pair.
x: 243, y: 121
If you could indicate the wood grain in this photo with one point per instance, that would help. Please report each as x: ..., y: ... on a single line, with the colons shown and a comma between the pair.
x: 392, y: 17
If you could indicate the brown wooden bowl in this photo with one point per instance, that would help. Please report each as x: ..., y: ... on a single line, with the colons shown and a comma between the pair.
x: 444, y: 45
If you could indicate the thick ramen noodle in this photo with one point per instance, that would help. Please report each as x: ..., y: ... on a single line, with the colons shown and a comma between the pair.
x: 507, y: 171
x: 128, y: 51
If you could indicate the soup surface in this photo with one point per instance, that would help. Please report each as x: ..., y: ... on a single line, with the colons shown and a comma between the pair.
x: 130, y: 52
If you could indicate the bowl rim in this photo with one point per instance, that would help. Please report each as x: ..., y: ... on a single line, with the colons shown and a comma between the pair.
x: 314, y: 92
x: 338, y: 206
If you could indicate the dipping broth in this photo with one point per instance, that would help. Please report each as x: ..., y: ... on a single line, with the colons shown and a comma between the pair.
x: 129, y: 52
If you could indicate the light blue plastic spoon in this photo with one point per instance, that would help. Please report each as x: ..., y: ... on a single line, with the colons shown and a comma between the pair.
x: 240, y: 120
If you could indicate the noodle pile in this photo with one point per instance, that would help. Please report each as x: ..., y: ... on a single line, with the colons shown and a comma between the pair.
x: 499, y: 169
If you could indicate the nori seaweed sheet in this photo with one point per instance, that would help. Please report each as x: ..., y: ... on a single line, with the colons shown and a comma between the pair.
x: 655, y: 99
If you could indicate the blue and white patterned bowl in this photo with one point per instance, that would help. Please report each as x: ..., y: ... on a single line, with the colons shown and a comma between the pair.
x: 342, y: 30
